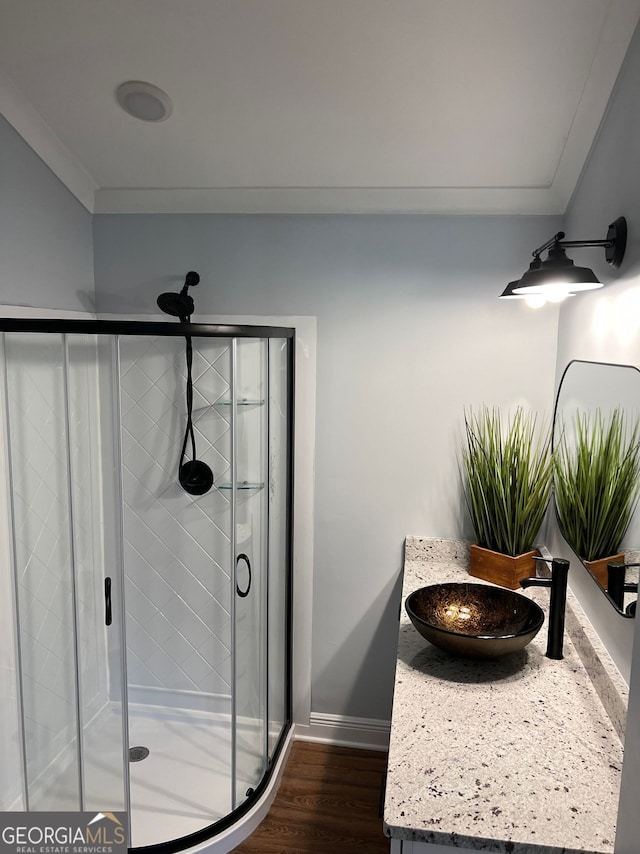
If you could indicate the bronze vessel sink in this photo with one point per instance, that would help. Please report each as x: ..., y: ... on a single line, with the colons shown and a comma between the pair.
x: 474, y: 620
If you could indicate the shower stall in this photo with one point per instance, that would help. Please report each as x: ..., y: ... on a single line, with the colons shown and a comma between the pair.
x: 151, y: 626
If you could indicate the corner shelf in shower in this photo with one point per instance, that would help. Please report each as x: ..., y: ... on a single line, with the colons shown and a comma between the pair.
x: 226, y: 403
x: 244, y: 484
x: 242, y: 402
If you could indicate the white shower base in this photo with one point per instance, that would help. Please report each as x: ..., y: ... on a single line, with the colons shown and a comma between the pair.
x: 183, y: 786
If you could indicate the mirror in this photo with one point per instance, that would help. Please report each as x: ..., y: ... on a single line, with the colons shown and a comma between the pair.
x: 585, y: 389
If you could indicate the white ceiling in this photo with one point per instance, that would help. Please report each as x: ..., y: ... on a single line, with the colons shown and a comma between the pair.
x: 316, y: 105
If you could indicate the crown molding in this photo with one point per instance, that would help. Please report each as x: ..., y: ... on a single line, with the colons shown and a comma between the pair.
x: 39, y: 136
x: 330, y: 200
x: 617, y: 31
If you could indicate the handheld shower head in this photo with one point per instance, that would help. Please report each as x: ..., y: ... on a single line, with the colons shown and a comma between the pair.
x: 180, y: 305
x: 195, y: 477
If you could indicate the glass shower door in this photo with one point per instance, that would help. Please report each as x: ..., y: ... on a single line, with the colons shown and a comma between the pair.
x: 92, y: 426
x: 69, y: 660
x: 278, y: 539
x: 249, y: 497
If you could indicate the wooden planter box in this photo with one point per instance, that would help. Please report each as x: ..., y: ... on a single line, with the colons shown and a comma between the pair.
x: 598, y: 568
x: 501, y: 569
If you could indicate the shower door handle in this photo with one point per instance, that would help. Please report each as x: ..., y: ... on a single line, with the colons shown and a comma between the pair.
x: 107, y: 601
x: 243, y: 593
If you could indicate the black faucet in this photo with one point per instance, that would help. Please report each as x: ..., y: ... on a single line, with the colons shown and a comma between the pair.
x: 617, y: 585
x: 557, y: 603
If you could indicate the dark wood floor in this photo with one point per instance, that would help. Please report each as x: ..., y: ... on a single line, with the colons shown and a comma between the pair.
x: 328, y: 803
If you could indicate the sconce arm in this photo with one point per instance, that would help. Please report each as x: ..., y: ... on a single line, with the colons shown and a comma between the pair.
x: 555, y: 239
x: 616, y: 240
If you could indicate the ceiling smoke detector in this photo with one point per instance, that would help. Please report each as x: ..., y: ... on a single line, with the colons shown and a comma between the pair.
x: 144, y: 101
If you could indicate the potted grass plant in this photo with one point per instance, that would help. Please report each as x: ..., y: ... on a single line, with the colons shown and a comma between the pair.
x: 507, y: 471
x: 596, y: 485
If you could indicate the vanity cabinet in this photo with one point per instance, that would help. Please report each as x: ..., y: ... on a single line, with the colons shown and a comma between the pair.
x: 405, y: 846
x: 515, y: 754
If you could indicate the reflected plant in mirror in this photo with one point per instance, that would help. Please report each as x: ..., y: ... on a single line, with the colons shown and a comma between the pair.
x: 596, y: 438
x: 597, y: 482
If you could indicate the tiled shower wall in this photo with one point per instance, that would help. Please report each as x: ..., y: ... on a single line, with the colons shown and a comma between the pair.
x: 177, y: 546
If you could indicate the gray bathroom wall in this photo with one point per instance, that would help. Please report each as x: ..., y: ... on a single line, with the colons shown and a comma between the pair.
x: 604, y: 326
x: 46, y: 250
x: 410, y: 331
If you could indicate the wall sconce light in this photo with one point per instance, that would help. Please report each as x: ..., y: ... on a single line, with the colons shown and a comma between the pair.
x: 557, y: 277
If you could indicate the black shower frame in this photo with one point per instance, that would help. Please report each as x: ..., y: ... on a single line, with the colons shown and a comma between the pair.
x: 67, y: 326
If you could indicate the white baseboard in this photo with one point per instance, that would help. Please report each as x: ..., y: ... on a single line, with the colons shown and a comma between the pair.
x: 345, y: 731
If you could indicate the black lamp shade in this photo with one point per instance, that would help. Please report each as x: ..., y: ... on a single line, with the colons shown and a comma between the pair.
x: 557, y: 270
x: 508, y: 293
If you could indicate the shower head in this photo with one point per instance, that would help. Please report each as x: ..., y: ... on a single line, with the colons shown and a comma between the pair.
x: 177, y: 305
x: 180, y: 305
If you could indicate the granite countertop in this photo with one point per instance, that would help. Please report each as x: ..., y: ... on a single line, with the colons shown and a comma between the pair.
x: 515, y: 754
